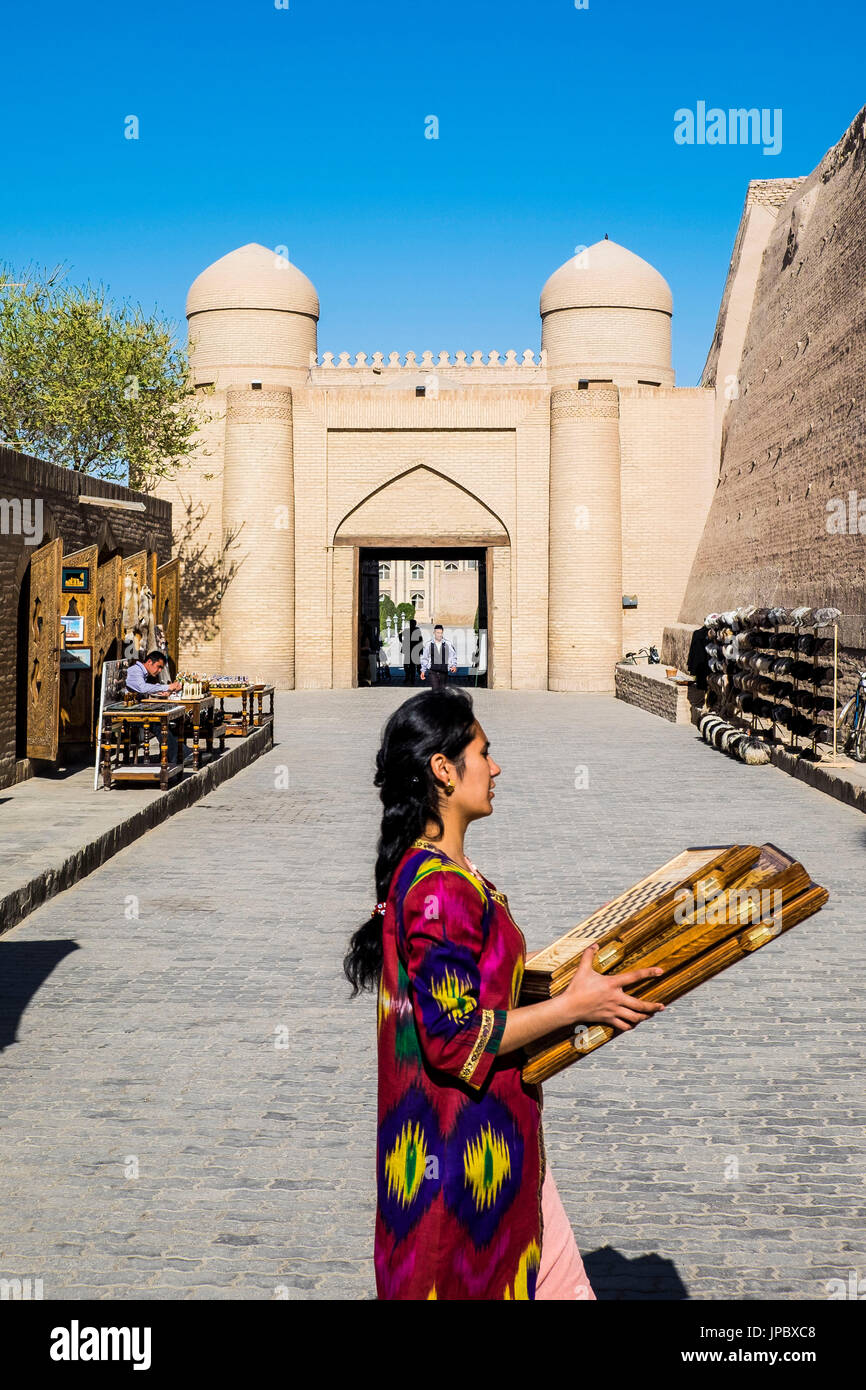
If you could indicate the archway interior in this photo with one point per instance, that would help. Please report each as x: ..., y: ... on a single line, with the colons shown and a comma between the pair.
x: 443, y: 584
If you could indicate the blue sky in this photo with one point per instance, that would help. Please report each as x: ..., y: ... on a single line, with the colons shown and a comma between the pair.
x: 304, y: 127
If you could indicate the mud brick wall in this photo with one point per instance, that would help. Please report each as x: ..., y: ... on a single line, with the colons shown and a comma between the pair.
x: 793, y: 440
x: 29, y: 480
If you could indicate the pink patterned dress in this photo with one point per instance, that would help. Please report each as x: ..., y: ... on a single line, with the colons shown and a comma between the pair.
x: 460, y: 1151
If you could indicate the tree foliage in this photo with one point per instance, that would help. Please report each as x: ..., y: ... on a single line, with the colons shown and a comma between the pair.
x: 90, y: 385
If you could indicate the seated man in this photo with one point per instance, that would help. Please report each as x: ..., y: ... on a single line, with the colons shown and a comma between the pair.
x: 144, y: 679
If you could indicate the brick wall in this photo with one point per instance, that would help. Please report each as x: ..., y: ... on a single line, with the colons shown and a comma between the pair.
x: 585, y: 625
x: 612, y: 337
x: 258, y: 506
x: 793, y: 439
x: 207, y: 556
x: 237, y: 346
x: 668, y: 476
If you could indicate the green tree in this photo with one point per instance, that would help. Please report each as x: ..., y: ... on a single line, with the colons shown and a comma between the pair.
x: 405, y: 611
x: 386, y: 611
x: 90, y: 385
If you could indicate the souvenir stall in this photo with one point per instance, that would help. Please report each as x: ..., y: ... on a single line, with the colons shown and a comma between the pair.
x: 82, y: 614
x: 249, y: 694
x: 127, y: 724
x: 772, y: 681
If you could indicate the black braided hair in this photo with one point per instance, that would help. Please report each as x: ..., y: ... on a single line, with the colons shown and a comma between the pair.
x: 436, y: 721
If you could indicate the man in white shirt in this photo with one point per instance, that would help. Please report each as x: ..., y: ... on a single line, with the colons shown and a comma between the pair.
x: 438, y: 657
x: 144, y: 679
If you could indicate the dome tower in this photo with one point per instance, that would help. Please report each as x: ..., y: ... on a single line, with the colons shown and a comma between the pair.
x: 252, y: 316
x: 606, y: 314
x: 252, y: 334
x: 605, y: 324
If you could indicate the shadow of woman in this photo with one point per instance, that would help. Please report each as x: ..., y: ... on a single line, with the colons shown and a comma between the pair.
x: 24, y: 968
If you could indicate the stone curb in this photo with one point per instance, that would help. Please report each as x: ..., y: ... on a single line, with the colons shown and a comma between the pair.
x: 832, y: 780
x: 841, y: 782
x: 21, y: 901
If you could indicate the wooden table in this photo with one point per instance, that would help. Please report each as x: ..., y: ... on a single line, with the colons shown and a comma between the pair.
x: 236, y: 726
x: 198, y: 706
x: 263, y: 716
x: 123, y: 718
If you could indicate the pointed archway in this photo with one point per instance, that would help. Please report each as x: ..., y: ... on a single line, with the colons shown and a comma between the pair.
x: 420, y: 510
x: 421, y: 506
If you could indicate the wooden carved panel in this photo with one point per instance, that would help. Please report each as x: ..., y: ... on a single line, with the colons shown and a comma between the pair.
x: 168, y: 606
x: 134, y: 580
x: 106, y: 625
x: 76, y: 685
x: 43, y: 656
x: 82, y: 604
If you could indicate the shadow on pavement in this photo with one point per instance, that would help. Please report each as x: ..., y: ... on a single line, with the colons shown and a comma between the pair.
x: 24, y: 967
x: 613, y: 1276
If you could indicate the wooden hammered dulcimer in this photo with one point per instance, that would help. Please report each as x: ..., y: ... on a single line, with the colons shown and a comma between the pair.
x: 694, y: 916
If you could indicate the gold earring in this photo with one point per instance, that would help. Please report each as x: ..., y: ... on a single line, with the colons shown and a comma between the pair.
x: 450, y: 786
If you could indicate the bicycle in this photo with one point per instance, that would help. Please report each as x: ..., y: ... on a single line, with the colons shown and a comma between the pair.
x: 855, y: 713
x: 651, y: 654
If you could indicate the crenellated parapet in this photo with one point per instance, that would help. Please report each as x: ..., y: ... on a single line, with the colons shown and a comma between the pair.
x: 428, y: 361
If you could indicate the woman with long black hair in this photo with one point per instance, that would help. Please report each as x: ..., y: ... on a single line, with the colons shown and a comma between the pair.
x: 466, y: 1207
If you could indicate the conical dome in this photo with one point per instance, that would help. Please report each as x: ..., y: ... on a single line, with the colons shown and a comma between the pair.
x: 606, y: 276
x: 606, y: 316
x: 253, y: 277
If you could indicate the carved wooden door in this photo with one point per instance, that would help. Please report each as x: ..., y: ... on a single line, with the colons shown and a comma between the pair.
x: 106, y: 627
x: 168, y: 605
x: 43, y: 657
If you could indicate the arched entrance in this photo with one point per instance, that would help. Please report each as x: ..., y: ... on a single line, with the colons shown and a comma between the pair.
x: 422, y: 516
x: 403, y: 591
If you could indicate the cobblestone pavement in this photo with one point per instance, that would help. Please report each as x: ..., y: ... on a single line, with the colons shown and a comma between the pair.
x: 188, y: 1096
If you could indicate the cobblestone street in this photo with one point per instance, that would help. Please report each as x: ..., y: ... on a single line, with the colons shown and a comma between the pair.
x: 188, y: 1095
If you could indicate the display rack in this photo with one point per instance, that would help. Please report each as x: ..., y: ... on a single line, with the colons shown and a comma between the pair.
x: 772, y: 677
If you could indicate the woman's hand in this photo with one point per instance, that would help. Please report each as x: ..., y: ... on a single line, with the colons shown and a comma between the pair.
x: 593, y: 998
x: 588, y: 998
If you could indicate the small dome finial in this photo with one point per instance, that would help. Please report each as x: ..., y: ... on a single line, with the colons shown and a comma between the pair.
x: 606, y: 237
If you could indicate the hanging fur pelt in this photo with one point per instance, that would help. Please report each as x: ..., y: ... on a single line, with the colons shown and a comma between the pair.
x: 145, y: 625
x: 129, y: 619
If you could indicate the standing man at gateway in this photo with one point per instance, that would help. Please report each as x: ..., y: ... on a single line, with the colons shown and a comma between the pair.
x: 439, y: 657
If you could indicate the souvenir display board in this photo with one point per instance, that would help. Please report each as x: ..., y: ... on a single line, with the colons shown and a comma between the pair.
x: 134, y: 581
x: 78, y: 606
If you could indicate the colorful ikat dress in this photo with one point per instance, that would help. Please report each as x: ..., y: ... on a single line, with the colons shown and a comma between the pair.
x: 460, y: 1152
